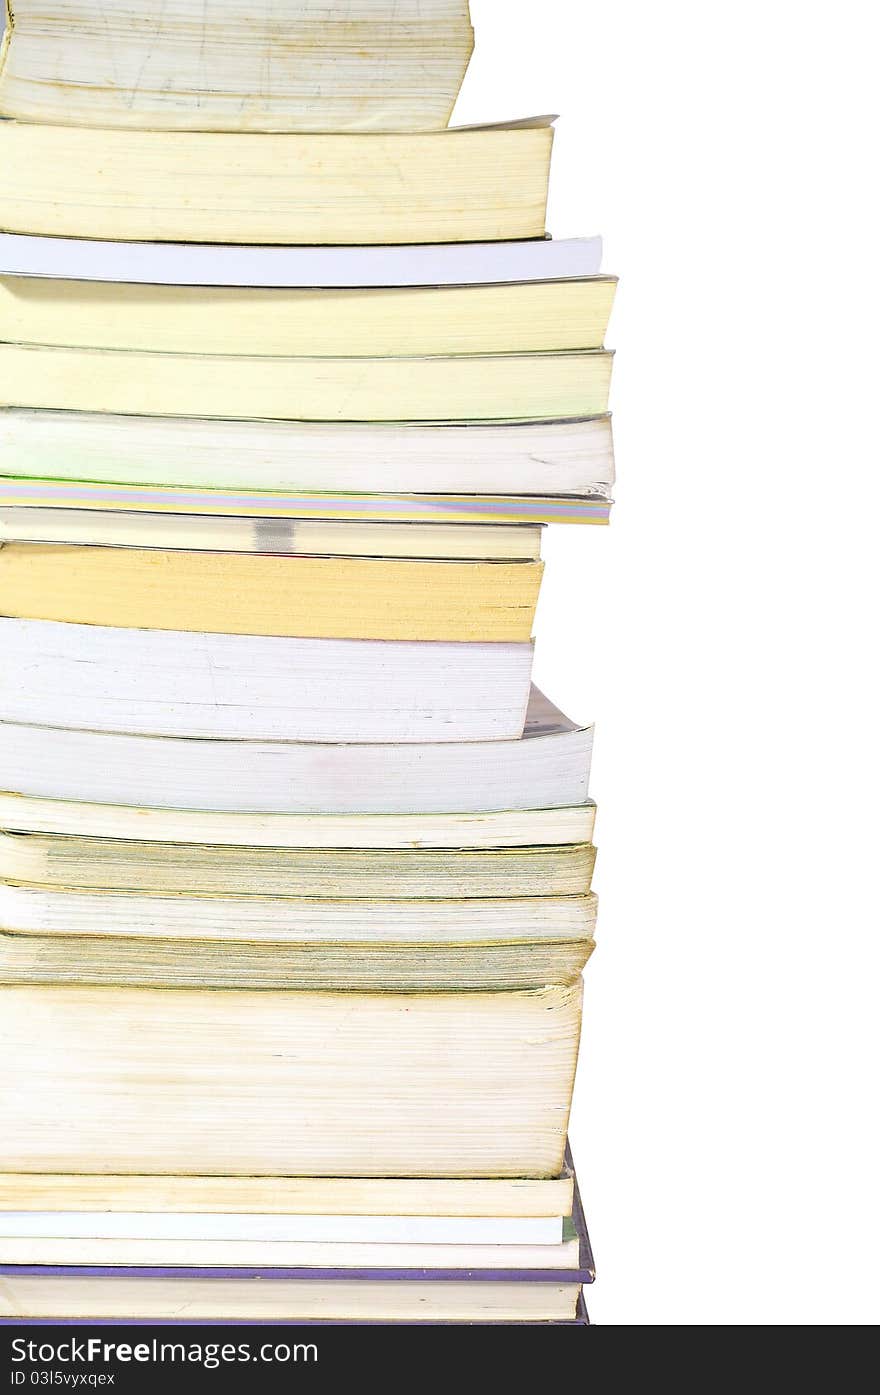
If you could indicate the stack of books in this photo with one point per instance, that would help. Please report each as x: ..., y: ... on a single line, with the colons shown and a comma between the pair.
x: 295, y: 862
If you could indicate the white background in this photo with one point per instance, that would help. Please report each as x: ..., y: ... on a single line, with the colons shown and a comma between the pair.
x: 723, y: 636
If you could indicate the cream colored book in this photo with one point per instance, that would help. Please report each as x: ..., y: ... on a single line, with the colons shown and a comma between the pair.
x: 284, y: 1300
x: 126, y: 865
x: 471, y: 387
x: 547, y: 768
x: 391, y: 321
x: 260, y: 688
x: 509, y: 828
x: 56, y: 934
x: 382, y: 947
x: 416, y: 1197
x: 473, y: 184
x: 137, y: 1080
x: 238, y: 594
x: 294, y: 65
x: 308, y: 537
x: 574, y: 457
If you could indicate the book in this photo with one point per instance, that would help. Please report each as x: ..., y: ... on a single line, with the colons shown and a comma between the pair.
x: 217, y: 941
x: 572, y: 458
x: 508, y: 828
x: 457, y: 388
x: 413, y: 508
x: 346, y: 874
x: 137, y: 1295
x: 547, y: 768
x: 300, y: 1254
x: 273, y: 688
x: 417, y: 1197
x: 257, y: 1083
x: 391, y: 321
x: 367, y: 65
x: 471, y: 184
x: 308, y: 537
x: 211, y: 264
x: 241, y: 594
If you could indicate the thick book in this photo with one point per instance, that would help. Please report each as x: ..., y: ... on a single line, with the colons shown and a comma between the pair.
x: 297, y: 65
x: 391, y: 321
x: 506, y: 828
x: 308, y: 537
x: 160, y: 682
x: 471, y: 184
x: 548, y: 768
x: 572, y: 457
x: 343, y: 598
x: 252, y: 1083
x: 204, y: 264
x: 451, y: 388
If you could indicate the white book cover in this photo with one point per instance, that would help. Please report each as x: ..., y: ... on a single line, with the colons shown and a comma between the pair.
x: 202, y: 264
x: 547, y: 768
x: 228, y: 1253
x: 260, y: 688
x: 569, y: 457
x: 363, y: 1230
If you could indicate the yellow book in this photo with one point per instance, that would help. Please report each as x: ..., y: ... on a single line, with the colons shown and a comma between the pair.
x: 217, y: 65
x: 344, y: 874
x: 474, y: 184
x: 240, y: 593
x: 473, y: 387
x: 500, y: 828
x: 526, y: 316
x: 290, y: 1196
x: 102, y: 527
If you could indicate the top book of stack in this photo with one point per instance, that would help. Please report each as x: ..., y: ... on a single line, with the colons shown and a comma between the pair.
x: 223, y: 65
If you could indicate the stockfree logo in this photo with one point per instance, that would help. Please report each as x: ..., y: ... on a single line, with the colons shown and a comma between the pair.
x: 90, y: 1350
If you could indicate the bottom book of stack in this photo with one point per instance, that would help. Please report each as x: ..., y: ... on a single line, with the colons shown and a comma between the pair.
x: 303, y: 1250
